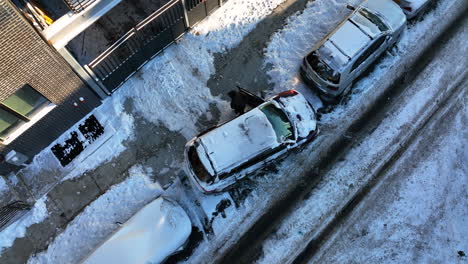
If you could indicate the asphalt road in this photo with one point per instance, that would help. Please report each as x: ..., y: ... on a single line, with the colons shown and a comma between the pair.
x: 417, y: 211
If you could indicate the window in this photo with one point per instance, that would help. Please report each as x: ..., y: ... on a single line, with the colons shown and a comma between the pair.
x: 279, y: 121
x: 19, y: 108
x: 371, y: 49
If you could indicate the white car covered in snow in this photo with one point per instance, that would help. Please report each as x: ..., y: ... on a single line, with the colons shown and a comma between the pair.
x: 219, y: 157
x: 412, y: 8
x: 154, y: 233
x: 333, y: 65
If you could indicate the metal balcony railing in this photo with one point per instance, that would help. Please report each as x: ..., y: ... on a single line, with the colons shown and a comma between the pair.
x: 12, y: 212
x: 138, y: 45
x: 78, y: 5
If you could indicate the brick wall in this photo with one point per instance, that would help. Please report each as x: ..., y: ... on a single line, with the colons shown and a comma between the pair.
x: 25, y: 58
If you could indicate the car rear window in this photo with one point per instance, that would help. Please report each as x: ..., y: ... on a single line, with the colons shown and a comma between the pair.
x: 323, y: 69
x: 279, y: 121
x: 197, y: 167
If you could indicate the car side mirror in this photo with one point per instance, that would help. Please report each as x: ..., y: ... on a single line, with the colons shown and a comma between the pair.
x: 350, y: 7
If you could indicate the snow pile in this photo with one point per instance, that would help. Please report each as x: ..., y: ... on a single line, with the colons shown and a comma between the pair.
x: 98, y: 220
x: 171, y: 88
x: 18, y: 229
x: 238, y: 140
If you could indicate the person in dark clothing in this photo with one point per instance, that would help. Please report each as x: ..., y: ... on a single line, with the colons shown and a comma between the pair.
x: 237, y: 102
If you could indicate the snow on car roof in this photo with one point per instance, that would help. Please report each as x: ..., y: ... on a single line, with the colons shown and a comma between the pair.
x: 238, y: 140
x: 349, y: 39
x: 366, y: 25
x: 332, y: 56
x: 151, y: 235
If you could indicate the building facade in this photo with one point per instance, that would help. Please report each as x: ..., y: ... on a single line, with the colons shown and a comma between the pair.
x: 41, y: 96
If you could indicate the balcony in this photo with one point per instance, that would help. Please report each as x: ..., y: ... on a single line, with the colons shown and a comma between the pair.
x: 78, y: 6
x: 67, y: 27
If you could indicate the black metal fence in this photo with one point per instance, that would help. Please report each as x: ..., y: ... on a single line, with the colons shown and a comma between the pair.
x: 149, y: 37
x: 78, y: 5
x: 12, y: 212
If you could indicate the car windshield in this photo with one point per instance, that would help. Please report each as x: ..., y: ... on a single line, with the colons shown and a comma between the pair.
x: 323, y: 69
x: 374, y: 19
x: 279, y: 121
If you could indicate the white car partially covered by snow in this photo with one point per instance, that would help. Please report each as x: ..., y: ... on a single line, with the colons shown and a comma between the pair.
x: 338, y: 60
x: 219, y: 157
x: 153, y: 234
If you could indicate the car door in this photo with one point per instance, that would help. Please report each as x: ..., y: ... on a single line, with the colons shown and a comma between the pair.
x: 368, y: 55
x: 260, y: 161
x: 250, y: 98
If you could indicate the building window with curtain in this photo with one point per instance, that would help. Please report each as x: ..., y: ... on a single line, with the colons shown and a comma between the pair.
x: 20, y: 111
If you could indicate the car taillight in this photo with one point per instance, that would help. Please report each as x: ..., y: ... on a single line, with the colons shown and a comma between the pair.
x: 334, y: 88
x: 408, y: 8
x: 287, y: 93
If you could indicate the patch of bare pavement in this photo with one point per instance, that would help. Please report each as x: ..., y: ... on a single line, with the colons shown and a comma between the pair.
x: 261, y: 234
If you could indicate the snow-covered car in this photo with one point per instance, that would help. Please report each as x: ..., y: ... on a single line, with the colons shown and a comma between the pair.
x: 219, y: 157
x: 333, y: 65
x: 412, y: 8
x: 157, y: 231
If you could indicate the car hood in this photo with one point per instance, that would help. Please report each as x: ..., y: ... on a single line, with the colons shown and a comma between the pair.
x: 237, y: 141
x: 150, y: 236
x: 300, y: 113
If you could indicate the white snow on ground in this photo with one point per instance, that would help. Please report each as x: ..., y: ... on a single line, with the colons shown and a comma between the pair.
x: 18, y: 229
x: 425, y: 221
x: 98, y: 220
